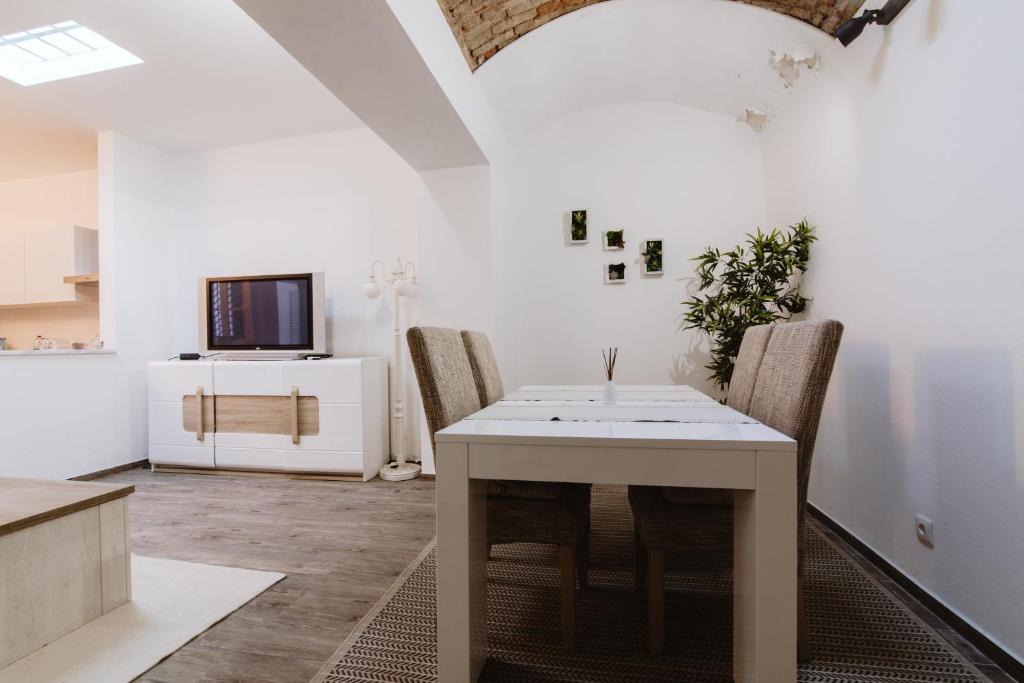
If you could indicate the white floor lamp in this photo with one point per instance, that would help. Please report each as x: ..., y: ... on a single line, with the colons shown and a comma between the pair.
x: 403, y: 286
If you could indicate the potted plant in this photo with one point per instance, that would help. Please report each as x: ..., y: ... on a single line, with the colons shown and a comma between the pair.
x: 755, y: 283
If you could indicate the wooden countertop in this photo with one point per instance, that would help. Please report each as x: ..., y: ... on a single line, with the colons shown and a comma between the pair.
x: 27, y: 502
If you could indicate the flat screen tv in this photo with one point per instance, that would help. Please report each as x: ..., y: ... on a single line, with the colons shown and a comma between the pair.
x: 256, y: 314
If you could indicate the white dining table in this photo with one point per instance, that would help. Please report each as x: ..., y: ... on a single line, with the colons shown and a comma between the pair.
x: 654, y: 436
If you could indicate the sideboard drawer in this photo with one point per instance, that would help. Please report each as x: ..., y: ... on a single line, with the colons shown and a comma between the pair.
x: 171, y: 381
x: 167, y: 422
x: 331, y: 381
x: 268, y: 459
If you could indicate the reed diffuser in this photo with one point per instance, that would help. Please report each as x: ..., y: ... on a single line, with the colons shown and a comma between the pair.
x: 610, y: 356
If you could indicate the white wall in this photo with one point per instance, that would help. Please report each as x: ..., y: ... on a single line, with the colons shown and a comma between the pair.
x: 331, y: 202
x: 62, y: 416
x: 905, y: 153
x: 455, y: 245
x: 34, y: 203
x: 658, y: 170
x: 40, y: 203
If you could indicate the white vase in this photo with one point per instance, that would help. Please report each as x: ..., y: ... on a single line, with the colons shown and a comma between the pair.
x: 609, y: 392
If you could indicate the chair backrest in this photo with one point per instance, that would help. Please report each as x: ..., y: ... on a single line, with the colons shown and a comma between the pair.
x: 485, y: 367
x: 748, y: 363
x: 790, y: 390
x: 444, y: 375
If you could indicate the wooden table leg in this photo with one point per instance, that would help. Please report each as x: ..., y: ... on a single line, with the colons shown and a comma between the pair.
x: 461, y: 567
x: 764, y: 574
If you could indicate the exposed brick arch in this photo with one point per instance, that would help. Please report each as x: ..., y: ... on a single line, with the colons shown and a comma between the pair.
x: 483, y: 27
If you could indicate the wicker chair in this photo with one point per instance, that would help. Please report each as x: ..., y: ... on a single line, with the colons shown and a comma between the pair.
x: 787, y: 395
x: 748, y: 363
x: 491, y: 390
x: 485, y: 367
x: 517, y: 511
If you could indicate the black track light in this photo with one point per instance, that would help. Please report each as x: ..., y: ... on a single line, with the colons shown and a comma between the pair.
x: 851, y: 28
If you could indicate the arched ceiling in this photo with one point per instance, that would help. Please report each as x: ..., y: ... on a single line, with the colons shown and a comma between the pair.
x: 713, y: 55
x: 483, y: 27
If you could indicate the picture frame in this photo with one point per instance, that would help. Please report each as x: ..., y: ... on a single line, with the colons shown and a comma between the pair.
x: 578, y: 226
x: 614, y: 240
x: 652, y: 253
x: 615, y: 274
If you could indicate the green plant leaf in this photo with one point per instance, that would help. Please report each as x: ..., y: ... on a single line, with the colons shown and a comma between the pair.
x: 755, y: 283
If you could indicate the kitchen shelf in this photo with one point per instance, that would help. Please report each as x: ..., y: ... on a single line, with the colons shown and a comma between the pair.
x: 92, y: 280
x: 49, y: 304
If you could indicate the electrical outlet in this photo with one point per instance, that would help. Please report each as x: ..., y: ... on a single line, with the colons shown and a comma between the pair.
x: 925, y: 531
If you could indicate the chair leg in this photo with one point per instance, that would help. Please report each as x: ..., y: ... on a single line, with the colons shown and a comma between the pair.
x: 639, y: 561
x: 567, y: 556
x: 583, y: 562
x: 803, y: 640
x: 656, y: 600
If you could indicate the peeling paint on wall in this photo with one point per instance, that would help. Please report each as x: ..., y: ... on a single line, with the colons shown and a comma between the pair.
x: 755, y: 118
x: 788, y: 64
x: 783, y: 69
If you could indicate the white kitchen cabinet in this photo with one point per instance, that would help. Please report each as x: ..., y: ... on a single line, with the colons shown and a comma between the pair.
x: 34, y: 263
x: 51, y: 254
x: 12, y: 268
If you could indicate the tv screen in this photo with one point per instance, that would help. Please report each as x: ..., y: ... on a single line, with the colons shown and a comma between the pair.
x: 260, y: 313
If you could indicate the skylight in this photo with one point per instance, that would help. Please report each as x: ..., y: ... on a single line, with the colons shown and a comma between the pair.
x: 57, y: 51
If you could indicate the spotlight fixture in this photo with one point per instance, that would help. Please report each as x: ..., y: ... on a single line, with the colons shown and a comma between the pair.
x: 851, y: 28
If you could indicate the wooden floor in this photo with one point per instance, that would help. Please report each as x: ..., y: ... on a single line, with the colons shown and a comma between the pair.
x: 341, y: 544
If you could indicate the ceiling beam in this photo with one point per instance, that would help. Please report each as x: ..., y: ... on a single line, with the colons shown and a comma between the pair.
x: 360, y: 52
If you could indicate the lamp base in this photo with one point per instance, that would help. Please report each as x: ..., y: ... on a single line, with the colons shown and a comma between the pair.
x: 394, y: 471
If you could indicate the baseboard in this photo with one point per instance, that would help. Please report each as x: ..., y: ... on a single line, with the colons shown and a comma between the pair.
x: 110, y: 470
x: 224, y: 472
x: 1003, y: 659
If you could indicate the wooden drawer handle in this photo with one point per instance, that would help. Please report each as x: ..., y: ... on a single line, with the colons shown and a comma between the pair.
x: 295, y: 415
x: 199, y: 417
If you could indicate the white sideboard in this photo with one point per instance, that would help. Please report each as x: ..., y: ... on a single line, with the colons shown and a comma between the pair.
x: 325, y: 416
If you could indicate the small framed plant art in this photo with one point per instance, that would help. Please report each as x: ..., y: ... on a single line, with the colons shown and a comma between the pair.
x: 614, y: 240
x: 651, y: 250
x: 615, y: 274
x: 578, y: 227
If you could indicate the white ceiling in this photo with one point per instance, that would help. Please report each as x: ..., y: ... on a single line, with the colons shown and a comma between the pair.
x: 211, y: 77
x: 710, y: 55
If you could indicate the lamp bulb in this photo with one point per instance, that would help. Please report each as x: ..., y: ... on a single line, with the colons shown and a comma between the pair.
x: 371, y: 289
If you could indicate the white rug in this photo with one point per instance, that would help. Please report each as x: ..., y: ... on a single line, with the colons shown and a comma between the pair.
x: 172, y: 602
